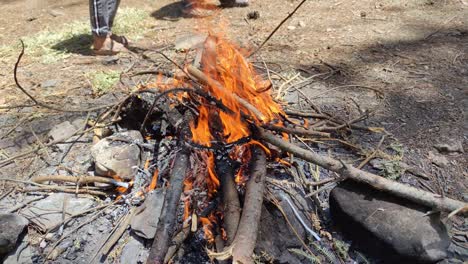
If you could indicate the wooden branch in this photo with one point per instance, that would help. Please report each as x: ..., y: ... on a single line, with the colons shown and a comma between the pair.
x: 278, y: 27
x: 62, y: 189
x: 74, y: 179
x: 201, y: 77
x: 166, y: 224
x: 298, y: 131
x: 421, y: 197
x: 232, y: 207
x: 176, y: 243
x: 305, y: 114
x: 246, y: 236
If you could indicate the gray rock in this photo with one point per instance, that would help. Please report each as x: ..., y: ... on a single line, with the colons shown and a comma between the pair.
x: 188, y: 42
x: 50, y: 83
x: 388, y: 227
x: 134, y: 252
x: 450, y: 148
x: 438, y: 160
x: 47, y: 213
x: 64, y: 130
x: 114, y: 157
x: 144, y: 224
x: 22, y: 254
x: 11, y: 227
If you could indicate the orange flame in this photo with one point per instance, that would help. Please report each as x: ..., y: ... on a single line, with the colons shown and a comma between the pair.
x: 154, y: 181
x: 188, y: 185
x: 226, y: 67
x: 208, y: 226
x: 212, y: 180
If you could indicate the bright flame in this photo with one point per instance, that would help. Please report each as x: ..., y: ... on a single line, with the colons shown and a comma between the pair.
x: 226, y: 67
x: 154, y: 181
x: 212, y: 180
x: 208, y: 226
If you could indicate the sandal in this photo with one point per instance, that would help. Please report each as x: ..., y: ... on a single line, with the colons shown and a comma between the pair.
x: 105, y: 46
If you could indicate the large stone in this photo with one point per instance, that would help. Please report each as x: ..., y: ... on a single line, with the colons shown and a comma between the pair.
x: 113, y: 157
x: 47, y: 213
x: 11, y: 227
x: 144, y: 224
x: 387, y: 227
x: 134, y: 252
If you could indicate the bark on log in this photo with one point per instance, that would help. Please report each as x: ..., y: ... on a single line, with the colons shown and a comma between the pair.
x: 232, y: 208
x: 246, y: 236
x: 419, y: 196
x: 166, y: 224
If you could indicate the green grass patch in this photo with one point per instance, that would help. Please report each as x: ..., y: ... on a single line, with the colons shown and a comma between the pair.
x: 103, y: 81
x: 49, y: 46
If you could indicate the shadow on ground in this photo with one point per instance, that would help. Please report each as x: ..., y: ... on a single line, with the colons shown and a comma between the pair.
x: 171, y: 12
x: 78, y: 44
x: 175, y: 11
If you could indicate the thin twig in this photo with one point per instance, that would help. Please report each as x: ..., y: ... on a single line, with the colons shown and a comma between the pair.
x: 19, y: 206
x: 44, y: 105
x: 278, y: 27
x: 371, y: 156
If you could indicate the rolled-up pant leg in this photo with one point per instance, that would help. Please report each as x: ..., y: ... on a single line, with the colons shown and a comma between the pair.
x: 102, y: 13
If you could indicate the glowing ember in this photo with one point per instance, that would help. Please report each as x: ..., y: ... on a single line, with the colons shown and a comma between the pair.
x: 154, y: 181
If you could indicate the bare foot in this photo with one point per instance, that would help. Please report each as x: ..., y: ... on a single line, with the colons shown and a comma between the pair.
x: 107, y: 46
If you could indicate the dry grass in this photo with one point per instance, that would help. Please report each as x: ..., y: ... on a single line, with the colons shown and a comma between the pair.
x: 50, y: 46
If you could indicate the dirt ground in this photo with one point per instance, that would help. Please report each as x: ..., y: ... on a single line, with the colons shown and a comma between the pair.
x: 406, y: 61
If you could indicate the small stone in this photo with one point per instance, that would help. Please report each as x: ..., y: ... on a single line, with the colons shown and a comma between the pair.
x: 62, y: 131
x: 363, y: 14
x: 49, y: 236
x: 11, y: 227
x: 102, y: 228
x: 387, y: 226
x: 43, y: 244
x: 438, y: 160
x: 253, y: 15
x: 114, y: 157
x: 144, y: 224
x: 56, y: 13
x: 291, y: 27
x: 188, y: 42
x: 301, y: 24
x: 450, y: 148
x: 110, y: 60
x: 50, y: 83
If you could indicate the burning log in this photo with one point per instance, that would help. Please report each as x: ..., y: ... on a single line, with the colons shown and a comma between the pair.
x: 243, y: 245
x: 166, y: 224
x: 232, y: 208
x: 380, y: 183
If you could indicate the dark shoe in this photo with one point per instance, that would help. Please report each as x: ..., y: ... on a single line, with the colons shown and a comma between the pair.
x: 234, y: 3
